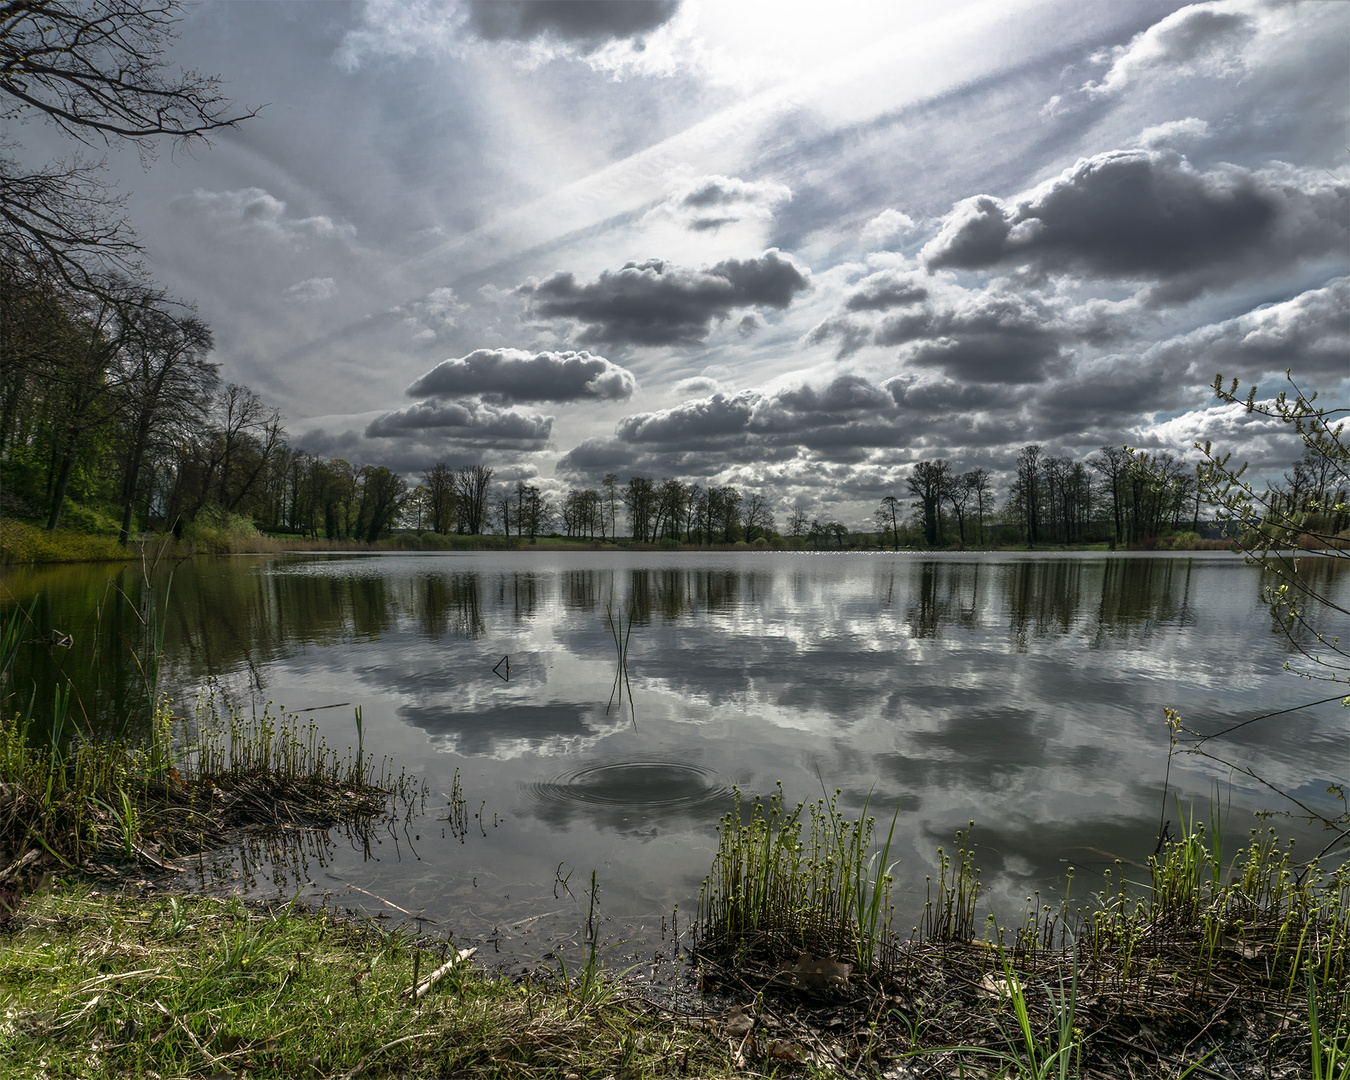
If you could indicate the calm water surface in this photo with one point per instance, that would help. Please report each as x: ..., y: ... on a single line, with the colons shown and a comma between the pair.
x: 1023, y: 692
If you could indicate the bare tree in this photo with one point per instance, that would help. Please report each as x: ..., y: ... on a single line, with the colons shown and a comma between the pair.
x: 97, y: 70
x: 977, y: 482
x: 472, y: 482
x: 757, y: 516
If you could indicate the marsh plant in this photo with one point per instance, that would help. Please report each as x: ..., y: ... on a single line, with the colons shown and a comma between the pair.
x: 621, y: 632
x: 805, y: 879
x: 177, y: 790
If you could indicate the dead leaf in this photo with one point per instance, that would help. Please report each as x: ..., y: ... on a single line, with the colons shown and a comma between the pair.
x: 738, y: 1024
x: 817, y: 971
x: 992, y: 986
x: 782, y: 1050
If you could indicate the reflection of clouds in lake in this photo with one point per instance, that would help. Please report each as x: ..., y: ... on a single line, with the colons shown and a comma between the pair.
x: 507, y: 730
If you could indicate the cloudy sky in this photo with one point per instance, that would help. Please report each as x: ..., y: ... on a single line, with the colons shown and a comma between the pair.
x: 794, y: 246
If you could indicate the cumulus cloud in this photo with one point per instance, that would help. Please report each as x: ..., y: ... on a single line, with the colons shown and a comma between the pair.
x: 1197, y: 39
x: 886, y: 289
x: 659, y: 303
x: 1149, y: 215
x: 1309, y: 333
x: 709, y: 202
x: 586, y: 22
x: 990, y: 336
x: 465, y: 421
x: 846, y: 424
x: 312, y: 290
x: 887, y: 227
x: 516, y: 375
x: 253, y: 211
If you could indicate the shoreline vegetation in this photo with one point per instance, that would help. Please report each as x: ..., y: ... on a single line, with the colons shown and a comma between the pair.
x: 1196, y: 963
x: 1193, y: 965
x: 26, y: 544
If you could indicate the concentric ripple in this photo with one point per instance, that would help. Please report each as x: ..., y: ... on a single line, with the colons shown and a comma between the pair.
x: 651, y: 788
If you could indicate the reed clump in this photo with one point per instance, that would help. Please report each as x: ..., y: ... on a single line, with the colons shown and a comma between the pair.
x: 775, y: 892
x: 1198, y: 955
x: 93, y: 803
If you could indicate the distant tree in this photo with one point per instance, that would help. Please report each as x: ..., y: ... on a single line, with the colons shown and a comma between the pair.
x: 610, y: 488
x: 1026, y: 491
x: 928, y: 482
x: 797, y: 522
x: 726, y: 511
x: 535, y: 513
x: 382, y: 496
x: 442, y: 497
x: 1110, y: 463
x: 977, y: 482
x: 757, y: 516
x: 958, y: 494
x: 889, y: 511
x: 472, y: 484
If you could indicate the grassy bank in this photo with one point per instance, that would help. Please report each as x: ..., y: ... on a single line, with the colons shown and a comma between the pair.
x: 1201, y: 967
x: 101, y: 985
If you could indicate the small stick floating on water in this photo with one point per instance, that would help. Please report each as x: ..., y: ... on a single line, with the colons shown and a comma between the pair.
x: 507, y: 661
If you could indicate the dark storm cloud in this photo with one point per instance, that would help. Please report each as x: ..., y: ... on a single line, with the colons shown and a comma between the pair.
x: 1148, y: 215
x: 839, y: 420
x: 515, y: 375
x: 1309, y: 334
x: 847, y: 393
x: 990, y: 337
x: 658, y: 303
x: 581, y: 21
x: 463, y: 420
x: 409, y: 454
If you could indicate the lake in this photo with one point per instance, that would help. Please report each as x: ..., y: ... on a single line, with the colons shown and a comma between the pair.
x: 1024, y: 692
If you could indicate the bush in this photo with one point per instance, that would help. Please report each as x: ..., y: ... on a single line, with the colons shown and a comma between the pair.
x: 20, y: 543
x: 76, y: 517
x: 214, y: 532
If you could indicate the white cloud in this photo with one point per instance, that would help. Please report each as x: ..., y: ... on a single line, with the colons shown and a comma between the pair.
x: 1204, y: 39
x: 1175, y: 134
x: 886, y: 227
x: 253, y: 211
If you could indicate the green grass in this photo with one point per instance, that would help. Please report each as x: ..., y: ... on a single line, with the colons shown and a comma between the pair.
x: 104, y: 986
x: 22, y: 543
